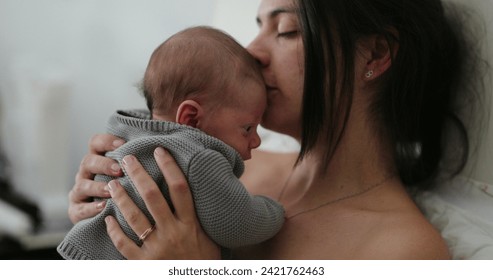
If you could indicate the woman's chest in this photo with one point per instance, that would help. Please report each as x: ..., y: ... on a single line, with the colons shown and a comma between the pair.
x: 312, y: 237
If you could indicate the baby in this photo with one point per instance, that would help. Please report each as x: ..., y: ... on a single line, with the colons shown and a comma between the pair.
x: 206, y: 97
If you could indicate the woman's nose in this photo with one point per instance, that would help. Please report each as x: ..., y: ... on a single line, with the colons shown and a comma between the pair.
x: 260, y: 53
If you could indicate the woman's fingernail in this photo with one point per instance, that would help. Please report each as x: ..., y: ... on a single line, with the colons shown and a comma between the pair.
x: 107, y: 219
x: 117, y: 143
x: 159, y: 151
x: 106, y: 191
x: 110, y: 187
x: 115, y: 167
x: 128, y: 160
x: 101, y: 205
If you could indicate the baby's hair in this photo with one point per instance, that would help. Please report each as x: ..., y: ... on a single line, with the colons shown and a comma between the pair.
x: 198, y: 62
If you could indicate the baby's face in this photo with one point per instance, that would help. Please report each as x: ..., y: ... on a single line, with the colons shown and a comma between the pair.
x: 237, y: 125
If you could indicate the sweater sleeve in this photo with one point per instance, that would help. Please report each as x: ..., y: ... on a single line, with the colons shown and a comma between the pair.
x: 227, y: 212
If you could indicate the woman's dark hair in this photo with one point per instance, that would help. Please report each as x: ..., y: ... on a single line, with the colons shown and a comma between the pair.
x: 415, y: 97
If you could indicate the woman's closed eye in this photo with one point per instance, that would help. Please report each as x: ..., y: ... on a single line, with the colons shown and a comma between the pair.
x: 287, y: 34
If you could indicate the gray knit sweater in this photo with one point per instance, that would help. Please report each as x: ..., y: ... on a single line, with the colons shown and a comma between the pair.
x: 227, y: 212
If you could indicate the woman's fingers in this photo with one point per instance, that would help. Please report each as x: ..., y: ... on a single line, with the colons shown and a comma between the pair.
x: 148, y: 190
x: 122, y: 243
x: 96, y: 164
x: 178, y: 186
x: 84, y: 210
x: 102, y: 143
x: 80, y: 198
x: 172, y: 237
x: 130, y: 211
x: 80, y: 205
x: 85, y: 188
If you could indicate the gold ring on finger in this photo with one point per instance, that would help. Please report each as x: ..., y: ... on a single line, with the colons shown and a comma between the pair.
x: 146, y: 233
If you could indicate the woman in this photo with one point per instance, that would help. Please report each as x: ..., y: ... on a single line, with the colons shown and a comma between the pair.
x: 366, y: 87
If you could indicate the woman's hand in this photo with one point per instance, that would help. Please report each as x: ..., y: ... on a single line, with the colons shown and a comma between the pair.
x: 176, y: 235
x: 81, y: 205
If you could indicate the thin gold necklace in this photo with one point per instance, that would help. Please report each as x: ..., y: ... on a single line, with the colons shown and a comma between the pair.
x: 351, y: 195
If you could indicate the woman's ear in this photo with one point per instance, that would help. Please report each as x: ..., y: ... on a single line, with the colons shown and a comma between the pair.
x: 189, y: 113
x: 381, y: 54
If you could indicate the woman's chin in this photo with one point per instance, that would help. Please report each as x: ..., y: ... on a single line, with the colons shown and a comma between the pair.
x: 280, y: 126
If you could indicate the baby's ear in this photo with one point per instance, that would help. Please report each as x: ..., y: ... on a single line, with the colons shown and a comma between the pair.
x: 188, y: 113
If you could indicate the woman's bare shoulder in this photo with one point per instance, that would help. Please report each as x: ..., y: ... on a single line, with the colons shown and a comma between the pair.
x: 404, y: 235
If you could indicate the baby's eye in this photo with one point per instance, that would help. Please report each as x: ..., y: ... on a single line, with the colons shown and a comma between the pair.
x: 248, y: 128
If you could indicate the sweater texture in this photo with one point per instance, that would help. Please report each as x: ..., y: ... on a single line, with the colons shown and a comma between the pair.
x: 226, y: 211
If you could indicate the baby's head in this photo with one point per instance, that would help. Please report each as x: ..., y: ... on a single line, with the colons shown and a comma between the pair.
x: 203, y: 78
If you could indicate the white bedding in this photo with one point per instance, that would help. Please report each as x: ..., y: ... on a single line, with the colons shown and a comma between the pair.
x: 276, y: 142
x: 462, y: 210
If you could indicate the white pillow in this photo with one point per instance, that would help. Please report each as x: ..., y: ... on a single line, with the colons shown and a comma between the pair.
x: 462, y: 210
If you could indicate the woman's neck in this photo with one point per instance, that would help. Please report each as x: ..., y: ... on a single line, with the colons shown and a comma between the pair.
x: 360, y: 161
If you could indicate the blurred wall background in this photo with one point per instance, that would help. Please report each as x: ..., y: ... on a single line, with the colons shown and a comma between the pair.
x: 66, y: 65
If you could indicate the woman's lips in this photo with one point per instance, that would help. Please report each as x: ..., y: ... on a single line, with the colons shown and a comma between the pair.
x: 270, y: 88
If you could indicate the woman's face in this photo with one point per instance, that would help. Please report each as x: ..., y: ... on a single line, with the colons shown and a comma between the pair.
x: 279, y: 48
